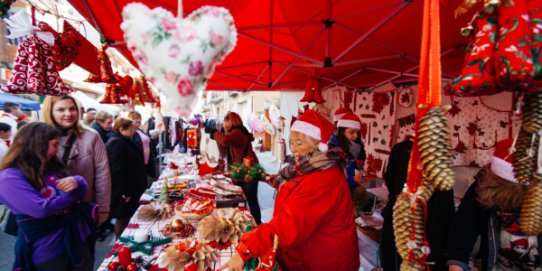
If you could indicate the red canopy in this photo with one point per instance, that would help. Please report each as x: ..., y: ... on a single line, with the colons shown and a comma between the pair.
x: 283, y: 43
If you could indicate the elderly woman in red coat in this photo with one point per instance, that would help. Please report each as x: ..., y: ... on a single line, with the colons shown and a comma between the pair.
x: 313, y: 216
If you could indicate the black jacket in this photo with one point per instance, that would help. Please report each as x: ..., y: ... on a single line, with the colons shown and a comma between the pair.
x: 472, y: 221
x: 103, y: 134
x: 128, y: 175
x: 440, y: 210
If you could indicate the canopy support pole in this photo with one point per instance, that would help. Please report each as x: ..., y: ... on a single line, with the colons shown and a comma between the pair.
x: 411, y: 69
x: 295, y: 60
x: 258, y: 78
x: 280, y: 48
x: 372, y: 30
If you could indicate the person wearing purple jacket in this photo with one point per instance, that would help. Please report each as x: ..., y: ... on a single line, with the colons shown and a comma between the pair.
x: 55, y: 225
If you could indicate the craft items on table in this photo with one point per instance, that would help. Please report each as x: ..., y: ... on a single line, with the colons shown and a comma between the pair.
x: 155, y: 210
x: 176, y: 183
x: 193, y: 46
x: 144, y: 247
x: 179, y: 255
x: 178, y: 229
x: 195, y: 209
x: 224, y: 225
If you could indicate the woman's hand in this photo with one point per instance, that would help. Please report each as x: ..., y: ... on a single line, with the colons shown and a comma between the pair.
x: 234, y: 264
x: 358, y: 179
x: 67, y: 184
x: 126, y: 198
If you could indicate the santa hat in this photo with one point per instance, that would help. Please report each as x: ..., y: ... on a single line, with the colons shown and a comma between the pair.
x: 339, y: 113
x: 501, y: 161
x: 349, y: 120
x: 314, y: 125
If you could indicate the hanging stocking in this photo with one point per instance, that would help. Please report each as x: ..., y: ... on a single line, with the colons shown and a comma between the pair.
x: 478, y: 72
x: 514, y: 60
x: 535, y: 24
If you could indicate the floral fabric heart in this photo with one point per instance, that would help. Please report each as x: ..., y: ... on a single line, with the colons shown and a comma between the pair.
x: 179, y: 56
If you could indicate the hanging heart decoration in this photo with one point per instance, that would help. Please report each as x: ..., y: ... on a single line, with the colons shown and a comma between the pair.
x: 178, y: 55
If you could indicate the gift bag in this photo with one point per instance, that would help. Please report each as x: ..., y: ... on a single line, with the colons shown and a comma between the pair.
x: 478, y: 73
x: 513, y: 57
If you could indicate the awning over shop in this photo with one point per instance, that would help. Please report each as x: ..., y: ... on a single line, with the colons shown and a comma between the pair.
x: 25, y: 103
x: 283, y: 43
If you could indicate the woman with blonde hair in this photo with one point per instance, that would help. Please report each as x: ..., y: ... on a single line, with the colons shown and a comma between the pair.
x: 145, y: 143
x: 127, y: 173
x: 235, y: 143
x: 103, y: 123
x: 81, y: 150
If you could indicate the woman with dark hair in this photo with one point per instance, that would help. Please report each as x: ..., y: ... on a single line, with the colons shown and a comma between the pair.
x: 55, y: 230
x: 81, y: 150
x: 235, y: 143
x: 127, y: 173
x: 349, y: 139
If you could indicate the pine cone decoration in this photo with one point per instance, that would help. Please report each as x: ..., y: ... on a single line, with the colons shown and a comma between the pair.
x: 531, y: 209
x: 404, y: 221
x: 433, y: 142
x: 525, y: 156
x: 532, y: 112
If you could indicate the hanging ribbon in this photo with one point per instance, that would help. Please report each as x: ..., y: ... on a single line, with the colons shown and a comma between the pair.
x: 429, y: 82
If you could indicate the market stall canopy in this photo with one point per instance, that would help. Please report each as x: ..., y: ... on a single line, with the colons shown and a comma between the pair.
x: 283, y: 43
x: 25, y: 103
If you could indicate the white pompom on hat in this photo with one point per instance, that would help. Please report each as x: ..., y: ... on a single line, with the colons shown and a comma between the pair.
x: 501, y: 161
x: 349, y: 120
x: 314, y: 125
x: 339, y: 113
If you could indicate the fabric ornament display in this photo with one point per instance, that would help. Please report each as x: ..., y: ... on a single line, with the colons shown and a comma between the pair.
x: 535, y: 23
x: 255, y: 123
x: 478, y: 72
x: 179, y: 55
x: 66, y: 45
x: 34, y: 71
x: 513, y: 57
x: 274, y: 115
x: 266, y: 125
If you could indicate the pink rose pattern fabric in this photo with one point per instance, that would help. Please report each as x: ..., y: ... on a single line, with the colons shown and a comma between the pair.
x: 179, y: 56
x: 34, y: 71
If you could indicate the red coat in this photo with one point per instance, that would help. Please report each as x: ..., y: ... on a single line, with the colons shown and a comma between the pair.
x: 314, y: 219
